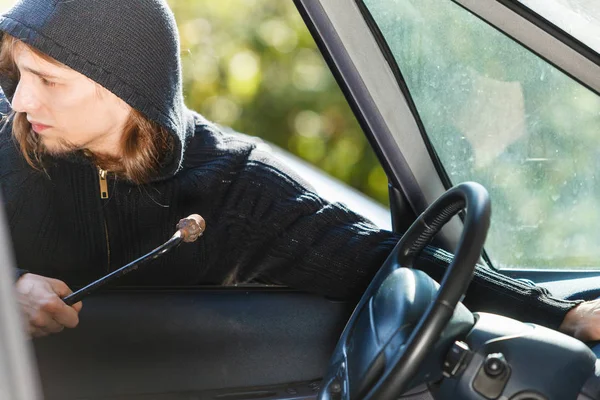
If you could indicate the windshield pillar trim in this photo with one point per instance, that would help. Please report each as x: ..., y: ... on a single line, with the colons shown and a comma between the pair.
x: 537, y: 40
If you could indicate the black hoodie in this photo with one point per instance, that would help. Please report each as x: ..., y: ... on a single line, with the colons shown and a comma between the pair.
x: 263, y: 223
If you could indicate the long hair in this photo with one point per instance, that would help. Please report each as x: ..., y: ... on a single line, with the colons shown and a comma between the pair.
x: 144, y: 143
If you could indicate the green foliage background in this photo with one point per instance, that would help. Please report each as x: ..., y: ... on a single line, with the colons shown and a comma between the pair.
x: 252, y: 65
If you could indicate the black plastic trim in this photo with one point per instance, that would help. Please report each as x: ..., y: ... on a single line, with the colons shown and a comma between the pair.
x: 399, y: 208
x: 552, y: 29
x: 360, y: 101
x: 290, y: 391
x: 389, y: 56
x: 156, y: 342
x: 250, y: 287
x: 525, y: 46
x: 547, y: 275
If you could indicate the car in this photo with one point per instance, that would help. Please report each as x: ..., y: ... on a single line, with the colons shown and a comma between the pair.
x: 501, y: 92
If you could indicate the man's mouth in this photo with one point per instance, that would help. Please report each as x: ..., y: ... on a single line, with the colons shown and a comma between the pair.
x: 38, y: 127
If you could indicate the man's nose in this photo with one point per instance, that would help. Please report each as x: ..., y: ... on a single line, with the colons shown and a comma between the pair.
x: 25, y: 99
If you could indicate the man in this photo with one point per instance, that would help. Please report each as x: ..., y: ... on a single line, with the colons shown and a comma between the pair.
x: 101, y: 158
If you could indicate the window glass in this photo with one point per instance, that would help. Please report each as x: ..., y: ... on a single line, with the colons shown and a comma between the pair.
x: 498, y: 114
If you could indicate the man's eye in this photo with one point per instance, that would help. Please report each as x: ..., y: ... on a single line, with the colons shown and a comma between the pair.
x: 46, y: 82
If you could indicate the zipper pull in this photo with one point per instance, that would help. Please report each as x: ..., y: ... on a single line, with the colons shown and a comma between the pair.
x: 103, y: 183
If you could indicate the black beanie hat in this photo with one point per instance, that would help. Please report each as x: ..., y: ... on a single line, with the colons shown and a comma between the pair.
x: 130, y: 47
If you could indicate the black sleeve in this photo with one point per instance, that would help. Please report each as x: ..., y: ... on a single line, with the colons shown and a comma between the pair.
x: 279, y: 231
x: 276, y: 230
x: 490, y: 291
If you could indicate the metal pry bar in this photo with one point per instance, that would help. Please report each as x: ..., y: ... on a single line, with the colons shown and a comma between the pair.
x: 188, y: 230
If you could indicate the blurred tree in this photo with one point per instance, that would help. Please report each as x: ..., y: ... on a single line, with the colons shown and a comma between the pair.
x: 252, y: 65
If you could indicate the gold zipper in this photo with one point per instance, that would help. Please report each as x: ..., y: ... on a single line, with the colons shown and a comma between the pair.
x: 102, y: 175
x: 103, y: 183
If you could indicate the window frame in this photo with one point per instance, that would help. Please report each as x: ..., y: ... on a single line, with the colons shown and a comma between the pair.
x: 551, y: 28
x: 540, y: 37
x: 381, y: 107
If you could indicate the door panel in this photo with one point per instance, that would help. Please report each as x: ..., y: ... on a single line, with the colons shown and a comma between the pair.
x: 177, y: 341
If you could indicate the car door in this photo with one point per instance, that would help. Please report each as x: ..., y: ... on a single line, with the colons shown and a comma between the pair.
x: 501, y: 92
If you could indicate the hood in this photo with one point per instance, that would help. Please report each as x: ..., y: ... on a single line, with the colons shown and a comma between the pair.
x: 130, y: 47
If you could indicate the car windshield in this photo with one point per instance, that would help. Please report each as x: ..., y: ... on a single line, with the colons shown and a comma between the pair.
x: 498, y: 114
x: 579, y: 18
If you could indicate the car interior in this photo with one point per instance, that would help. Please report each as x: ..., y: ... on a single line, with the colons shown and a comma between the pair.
x: 477, y: 181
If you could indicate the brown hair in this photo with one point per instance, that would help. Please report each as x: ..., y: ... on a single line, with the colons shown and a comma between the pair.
x: 144, y: 143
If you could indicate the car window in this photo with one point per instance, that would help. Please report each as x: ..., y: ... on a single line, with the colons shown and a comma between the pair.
x: 579, y: 18
x: 498, y: 114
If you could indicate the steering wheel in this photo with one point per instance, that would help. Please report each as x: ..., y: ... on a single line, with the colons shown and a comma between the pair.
x: 398, y: 335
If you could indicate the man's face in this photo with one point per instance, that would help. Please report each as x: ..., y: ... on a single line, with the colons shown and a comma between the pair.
x: 66, y: 109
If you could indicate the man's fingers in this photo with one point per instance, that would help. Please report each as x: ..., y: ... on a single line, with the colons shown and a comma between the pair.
x: 60, y: 288
x: 42, y: 321
x: 64, y: 315
x: 77, y: 306
x: 60, y: 312
x: 67, y: 317
x: 42, y: 303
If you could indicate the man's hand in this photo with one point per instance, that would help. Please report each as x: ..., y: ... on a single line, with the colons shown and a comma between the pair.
x: 583, y: 321
x: 41, y: 302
